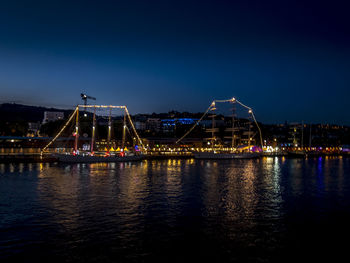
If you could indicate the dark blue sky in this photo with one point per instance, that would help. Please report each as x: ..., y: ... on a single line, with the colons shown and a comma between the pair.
x: 289, y: 60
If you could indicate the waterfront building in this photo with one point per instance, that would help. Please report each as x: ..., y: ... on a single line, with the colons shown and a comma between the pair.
x: 33, y: 129
x: 52, y: 116
x: 140, y: 125
x: 153, y: 124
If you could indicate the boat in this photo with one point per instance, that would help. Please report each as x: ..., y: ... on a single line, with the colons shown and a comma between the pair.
x: 218, y: 155
x: 244, y: 152
x: 86, y: 153
x: 86, y: 158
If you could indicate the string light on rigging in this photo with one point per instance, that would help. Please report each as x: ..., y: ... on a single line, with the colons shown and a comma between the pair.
x: 212, y: 107
x: 77, y: 130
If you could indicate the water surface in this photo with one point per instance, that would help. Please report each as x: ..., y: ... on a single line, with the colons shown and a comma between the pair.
x: 267, y: 210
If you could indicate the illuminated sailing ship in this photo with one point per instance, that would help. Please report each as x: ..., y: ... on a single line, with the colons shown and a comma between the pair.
x: 233, y: 152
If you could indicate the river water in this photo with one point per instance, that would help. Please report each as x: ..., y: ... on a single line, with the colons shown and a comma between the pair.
x: 264, y: 210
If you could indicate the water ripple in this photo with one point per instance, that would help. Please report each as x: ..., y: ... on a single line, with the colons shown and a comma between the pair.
x: 251, y: 210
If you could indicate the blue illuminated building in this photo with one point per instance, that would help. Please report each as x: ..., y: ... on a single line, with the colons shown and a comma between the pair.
x: 183, y: 121
x: 169, y: 125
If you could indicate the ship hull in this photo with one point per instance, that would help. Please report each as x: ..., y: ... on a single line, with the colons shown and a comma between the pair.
x: 226, y: 155
x: 67, y: 158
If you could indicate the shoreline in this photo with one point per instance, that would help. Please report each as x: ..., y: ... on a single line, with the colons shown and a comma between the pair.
x: 48, y: 158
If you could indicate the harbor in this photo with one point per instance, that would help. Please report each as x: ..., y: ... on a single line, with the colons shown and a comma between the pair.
x: 228, y: 129
x: 174, y: 131
x: 236, y: 135
x: 197, y: 181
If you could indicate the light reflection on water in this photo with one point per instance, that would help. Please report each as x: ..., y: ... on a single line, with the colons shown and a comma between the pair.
x: 240, y: 209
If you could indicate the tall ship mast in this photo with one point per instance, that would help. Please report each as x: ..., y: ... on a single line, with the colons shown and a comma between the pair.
x: 234, y: 127
x: 212, y: 130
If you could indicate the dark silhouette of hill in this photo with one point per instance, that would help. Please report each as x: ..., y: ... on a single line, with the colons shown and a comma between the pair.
x: 12, y: 112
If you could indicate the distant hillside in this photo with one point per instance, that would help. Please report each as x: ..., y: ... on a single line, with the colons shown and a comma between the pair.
x: 11, y: 112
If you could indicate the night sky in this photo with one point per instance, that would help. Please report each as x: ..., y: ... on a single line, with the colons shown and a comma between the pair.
x: 289, y: 60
